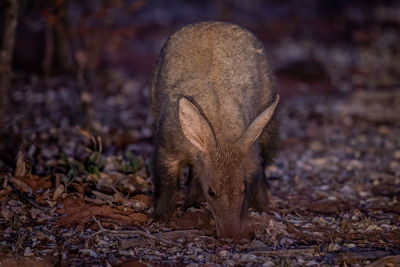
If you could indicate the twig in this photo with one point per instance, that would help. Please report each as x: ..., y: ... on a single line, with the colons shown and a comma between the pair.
x: 187, y: 234
x: 286, y: 252
x: 38, y: 206
x: 209, y: 238
x: 128, y: 232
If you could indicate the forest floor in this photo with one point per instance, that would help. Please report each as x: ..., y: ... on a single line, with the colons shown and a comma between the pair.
x: 74, y: 197
x: 75, y: 165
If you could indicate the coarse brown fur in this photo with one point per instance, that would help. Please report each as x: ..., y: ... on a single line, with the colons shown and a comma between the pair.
x: 210, y: 84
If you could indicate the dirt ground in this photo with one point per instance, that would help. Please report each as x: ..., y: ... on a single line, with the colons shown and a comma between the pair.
x: 75, y: 167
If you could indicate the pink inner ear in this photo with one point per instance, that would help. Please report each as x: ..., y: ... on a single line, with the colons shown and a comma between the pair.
x: 194, y: 126
x: 255, y: 128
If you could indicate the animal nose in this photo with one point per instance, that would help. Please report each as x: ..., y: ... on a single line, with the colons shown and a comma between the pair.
x: 237, y: 231
x: 246, y: 230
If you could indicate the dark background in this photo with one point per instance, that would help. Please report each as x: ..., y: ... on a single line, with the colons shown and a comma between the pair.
x: 89, y: 63
x: 303, y: 37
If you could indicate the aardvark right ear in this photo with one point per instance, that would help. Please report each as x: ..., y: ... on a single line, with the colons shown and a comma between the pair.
x: 255, y: 128
x: 195, y: 127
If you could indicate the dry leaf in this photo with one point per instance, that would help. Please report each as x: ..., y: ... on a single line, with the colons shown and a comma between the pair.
x: 6, y: 213
x: 84, y: 133
x: 21, y: 186
x: 58, y: 192
x: 143, y: 198
x: 36, y: 182
x: 386, y: 261
x: 20, y: 169
x: 77, y: 211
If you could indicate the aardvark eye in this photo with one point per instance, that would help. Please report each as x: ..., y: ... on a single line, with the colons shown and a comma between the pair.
x: 211, y: 192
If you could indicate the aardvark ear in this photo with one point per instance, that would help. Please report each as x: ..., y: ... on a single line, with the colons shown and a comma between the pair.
x: 255, y: 128
x: 195, y: 127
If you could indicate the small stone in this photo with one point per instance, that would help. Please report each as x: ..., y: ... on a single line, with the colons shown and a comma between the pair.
x: 387, y: 227
x: 384, y: 130
x: 277, y: 215
x: 316, y: 145
x: 372, y: 228
x: 229, y: 263
x: 28, y: 252
x: 235, y: 256
x: 347, y: 190
x: 307, y: 225
x: 257, y: 245
x: 300, y: 261
x: 319, y: 162
x: 113, y: 260
x: 88, y: 252
x: 285, y: 242
x: 248, y: 257
x: 223, y: 253
x: 312, y: 263
x: 354, y: 164
x: 319, y: 220
x: 146, y: 132
x: 323, y: 187
x: 334, y: 247
x: 268, y: 263
x: 272, y: 168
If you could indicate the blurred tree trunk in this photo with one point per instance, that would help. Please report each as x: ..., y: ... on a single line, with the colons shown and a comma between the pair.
x: 58, y: 54
x: 10, y: 12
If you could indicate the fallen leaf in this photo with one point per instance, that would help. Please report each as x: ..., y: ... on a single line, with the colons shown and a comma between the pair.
x: 58, y: 192
x: 36, y: 182
x: 84, y: 133
x: 386, y: 261
x: 77, y: 211
x: 19, y: 185
x: 373, y: 227
x: 20, y: 169
x: 89, y: 252
x: 6, y: 213
x: 143, y: 198
x: 326, y: 207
